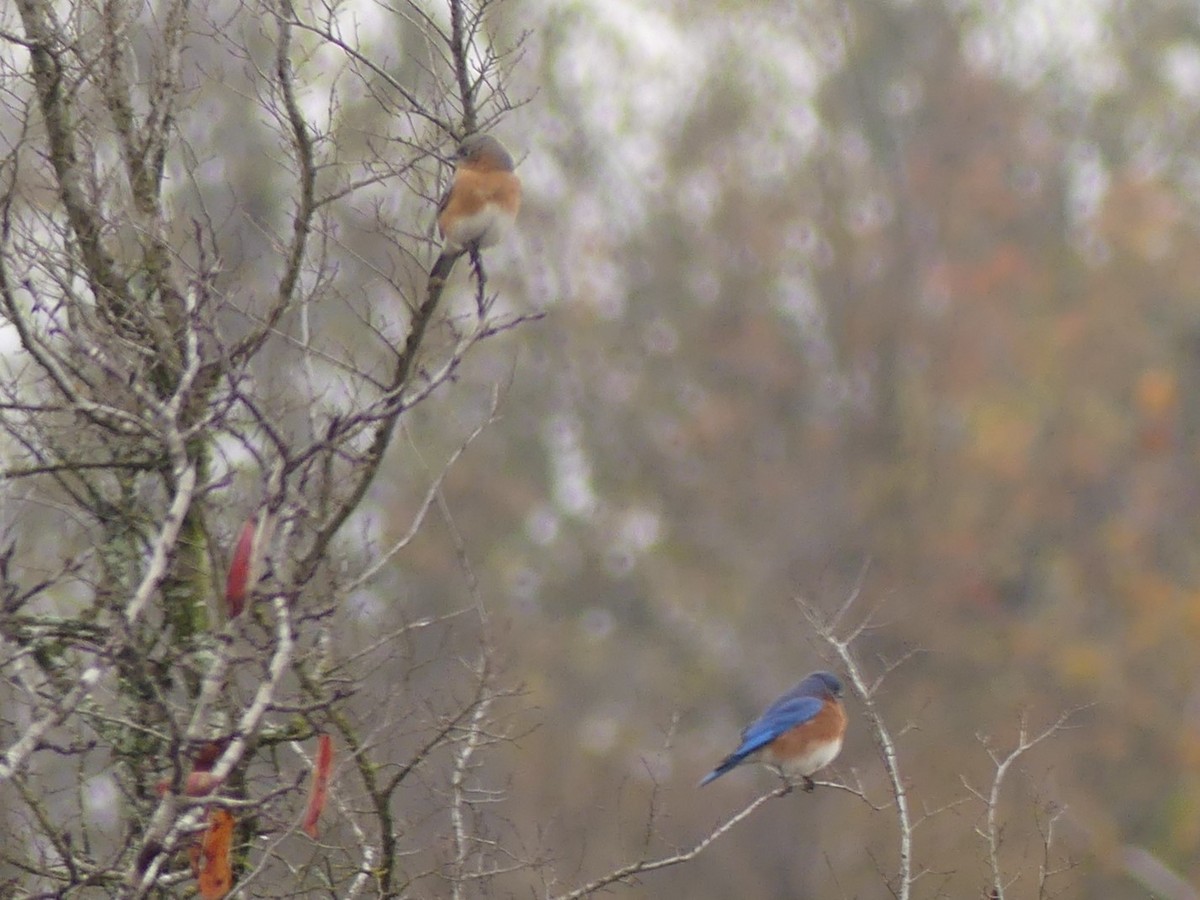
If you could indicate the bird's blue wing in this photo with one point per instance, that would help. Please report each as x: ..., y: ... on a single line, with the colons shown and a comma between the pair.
x: 782, y: 715
x: 785, y: 713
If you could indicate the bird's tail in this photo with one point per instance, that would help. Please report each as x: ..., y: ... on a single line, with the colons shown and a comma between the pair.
x: 445, y: 262
x: 729, y: 762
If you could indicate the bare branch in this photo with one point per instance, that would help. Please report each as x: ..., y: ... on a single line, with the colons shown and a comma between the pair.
x: 156, y: 571
x: 865, y: 689
x: 467, y: 747
x: 628, y: 874
x: 302, y: 219
x: 1004, y: 761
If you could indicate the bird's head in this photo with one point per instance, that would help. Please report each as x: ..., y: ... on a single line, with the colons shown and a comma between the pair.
x: 484, y: 150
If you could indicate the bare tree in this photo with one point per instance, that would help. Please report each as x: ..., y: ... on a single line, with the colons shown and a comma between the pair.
x: 198, y: 335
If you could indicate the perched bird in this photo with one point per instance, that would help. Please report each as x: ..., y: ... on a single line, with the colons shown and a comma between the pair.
x: 797, y: 735
x: 481, y: 203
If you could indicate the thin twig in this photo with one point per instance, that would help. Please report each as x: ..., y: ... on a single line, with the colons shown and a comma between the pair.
x: 865, y: 690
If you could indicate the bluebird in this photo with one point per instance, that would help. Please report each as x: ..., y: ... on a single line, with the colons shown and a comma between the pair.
x: 797, y: 735
x: 481, y: 203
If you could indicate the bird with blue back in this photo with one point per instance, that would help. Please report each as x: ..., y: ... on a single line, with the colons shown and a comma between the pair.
x: 797, y: 735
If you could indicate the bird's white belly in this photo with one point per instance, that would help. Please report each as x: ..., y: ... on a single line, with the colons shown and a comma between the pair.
x: 485, y: 227
x: 818, y: 757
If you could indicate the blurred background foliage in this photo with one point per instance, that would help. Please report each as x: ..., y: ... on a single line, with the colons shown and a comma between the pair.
x: 910, y: 286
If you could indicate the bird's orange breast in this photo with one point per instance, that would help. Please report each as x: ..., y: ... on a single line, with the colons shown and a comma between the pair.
x: 475, y: 192
x: 811, y: 746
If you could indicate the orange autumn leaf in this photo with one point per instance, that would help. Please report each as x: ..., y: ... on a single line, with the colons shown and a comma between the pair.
x: 210, y: 751
x: 239, y: 571
x: 200, y: 780
x: 320, y: 785
x: 212, y: 864
x: 197, y: 784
